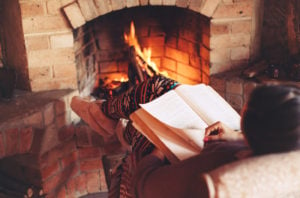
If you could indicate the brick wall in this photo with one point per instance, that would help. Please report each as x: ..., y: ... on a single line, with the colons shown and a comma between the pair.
x: 235, y: 26
x: 65, y: 155
x: 49, y: 45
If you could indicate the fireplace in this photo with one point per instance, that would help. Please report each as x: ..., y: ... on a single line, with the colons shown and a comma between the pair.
x: 64, y: 48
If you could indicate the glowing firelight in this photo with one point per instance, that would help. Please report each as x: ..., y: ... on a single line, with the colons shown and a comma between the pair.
x: 145, y: 54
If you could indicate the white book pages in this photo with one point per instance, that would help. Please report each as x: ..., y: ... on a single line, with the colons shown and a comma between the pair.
x: 209, y: 105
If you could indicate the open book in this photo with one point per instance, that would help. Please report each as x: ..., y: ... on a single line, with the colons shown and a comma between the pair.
x: 175, y: 122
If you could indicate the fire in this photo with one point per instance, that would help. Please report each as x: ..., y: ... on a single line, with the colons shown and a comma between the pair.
x: 145, y: 54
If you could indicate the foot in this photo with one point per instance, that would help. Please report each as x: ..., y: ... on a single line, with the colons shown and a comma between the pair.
x: 91, y: 113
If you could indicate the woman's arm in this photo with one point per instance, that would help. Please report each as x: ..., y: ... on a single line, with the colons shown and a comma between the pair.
x: 155, y: 178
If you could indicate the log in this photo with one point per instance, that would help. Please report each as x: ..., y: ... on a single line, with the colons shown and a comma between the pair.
x: 136, y: 65
x: 134, y: 69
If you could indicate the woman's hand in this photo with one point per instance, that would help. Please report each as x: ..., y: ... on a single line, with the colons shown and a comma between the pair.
x: 220, y: 131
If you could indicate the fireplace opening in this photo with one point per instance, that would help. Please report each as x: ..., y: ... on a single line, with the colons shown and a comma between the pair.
x: 178, y: 39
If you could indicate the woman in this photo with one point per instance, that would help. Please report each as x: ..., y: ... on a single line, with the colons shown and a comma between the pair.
x: 269, y: 123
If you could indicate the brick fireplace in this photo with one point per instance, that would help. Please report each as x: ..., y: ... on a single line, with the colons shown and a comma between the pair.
x: 64, y: 47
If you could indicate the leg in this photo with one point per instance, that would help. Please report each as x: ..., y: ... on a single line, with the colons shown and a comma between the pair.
x: 123, y: 105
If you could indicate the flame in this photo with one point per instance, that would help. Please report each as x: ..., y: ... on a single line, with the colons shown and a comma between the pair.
x: 121, y: 79
x: 145, y: 54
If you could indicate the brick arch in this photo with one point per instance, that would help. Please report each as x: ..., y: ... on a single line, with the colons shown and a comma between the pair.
x: 82, y: 11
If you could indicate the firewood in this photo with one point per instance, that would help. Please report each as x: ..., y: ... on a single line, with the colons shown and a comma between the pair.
x: 134, y: 67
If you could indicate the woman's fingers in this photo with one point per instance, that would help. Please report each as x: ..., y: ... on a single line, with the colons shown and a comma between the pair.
x: 213, y: 128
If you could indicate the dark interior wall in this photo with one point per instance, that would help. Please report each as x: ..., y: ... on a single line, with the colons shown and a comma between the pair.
x: 280, y: 28
x: 12, y: 41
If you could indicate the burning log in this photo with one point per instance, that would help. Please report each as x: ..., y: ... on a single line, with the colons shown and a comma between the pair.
x: 138, y: 68
x: 135, y: 72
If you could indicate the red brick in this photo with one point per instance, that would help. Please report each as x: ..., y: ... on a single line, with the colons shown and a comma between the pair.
x: 195, y: 61
x: 169, y: 64
x: 205, y: 78
x: 185, y: 80
x: 12, y: 141
x: 62, y: 193
x: 57, y: 153
x: 103, y: 183
x: 60, y: 107
x: 93, y: 182
x: 171, y: 41
x: 81, y: 183
x: 90, y: 152
x: 35, y: 120
x: 157, y: 51
x: 50, y: 170
x: 189, y: 72
x: 66, y: 133
x: 204, y: 52
x: 52, y: 183
x: 90, y: 165
x: 69, y: 159
x: 2, y: 146
x: 61, y: 120
x: 183, y: 45
x: 26, y: 136
x: 49, y: 114
x: 71, y: 186
x: 177, y: 55
x: 152, y: 41
x: 97, y: 140
x: 58, y: 181
x: 82, y: 136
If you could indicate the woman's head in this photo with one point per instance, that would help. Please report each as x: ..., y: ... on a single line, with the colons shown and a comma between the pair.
x: 271, y: 119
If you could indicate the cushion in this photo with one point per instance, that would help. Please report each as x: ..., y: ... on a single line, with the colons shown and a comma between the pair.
x: 273, y: 175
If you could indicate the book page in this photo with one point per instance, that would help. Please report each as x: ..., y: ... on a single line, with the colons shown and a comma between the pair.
x: 165, y: 139
x: 209, y: 105
x: 173, y: 111
x: 183, y: 137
